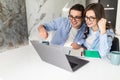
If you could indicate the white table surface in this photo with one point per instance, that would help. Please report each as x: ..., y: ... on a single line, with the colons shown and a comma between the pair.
x: 25, y: 64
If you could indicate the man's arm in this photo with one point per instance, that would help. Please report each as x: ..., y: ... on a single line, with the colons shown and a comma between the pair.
x: 77, y: 46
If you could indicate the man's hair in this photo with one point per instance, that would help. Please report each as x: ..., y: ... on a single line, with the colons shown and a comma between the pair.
x: 78, y: 7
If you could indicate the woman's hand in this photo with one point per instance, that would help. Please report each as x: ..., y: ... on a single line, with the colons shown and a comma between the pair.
x: 42, y: 31
x: 102, y: 25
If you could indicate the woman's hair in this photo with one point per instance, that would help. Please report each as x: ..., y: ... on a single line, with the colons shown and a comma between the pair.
x: 98, y: 10
x: 78, y: 7
x: 99, y: 13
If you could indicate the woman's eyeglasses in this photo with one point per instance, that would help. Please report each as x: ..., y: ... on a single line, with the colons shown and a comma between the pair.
x: 75, y: 18
x: 90, y: 18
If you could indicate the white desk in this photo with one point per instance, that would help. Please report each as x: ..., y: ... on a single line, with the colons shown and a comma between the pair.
x: 25, y: 64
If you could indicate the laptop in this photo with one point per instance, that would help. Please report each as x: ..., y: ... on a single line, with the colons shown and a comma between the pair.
x: 57, y: 55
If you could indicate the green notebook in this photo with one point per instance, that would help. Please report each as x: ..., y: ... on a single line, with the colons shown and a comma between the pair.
x: 91, y: 53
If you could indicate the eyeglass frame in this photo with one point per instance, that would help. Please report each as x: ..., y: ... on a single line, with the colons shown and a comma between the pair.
x: 91, y: 18
x: 75, y: 18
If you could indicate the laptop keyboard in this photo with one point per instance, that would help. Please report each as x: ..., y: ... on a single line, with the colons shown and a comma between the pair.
x: 72, y: 64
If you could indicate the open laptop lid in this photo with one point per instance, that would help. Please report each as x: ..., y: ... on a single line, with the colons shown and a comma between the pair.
x: 56, y: 55
x: 52, y: 54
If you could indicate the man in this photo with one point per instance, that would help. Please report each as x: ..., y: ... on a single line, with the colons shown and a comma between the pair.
x: 69, y: 31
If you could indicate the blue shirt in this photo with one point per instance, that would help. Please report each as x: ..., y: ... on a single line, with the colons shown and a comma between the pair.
x: 62, y: 27
x: 102, y: 42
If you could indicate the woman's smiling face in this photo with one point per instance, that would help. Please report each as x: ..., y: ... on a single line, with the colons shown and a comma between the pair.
x: 90, y: 18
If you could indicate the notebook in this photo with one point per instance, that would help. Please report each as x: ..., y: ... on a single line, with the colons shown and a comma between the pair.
x: 92, y: 53
x: 57, y: 55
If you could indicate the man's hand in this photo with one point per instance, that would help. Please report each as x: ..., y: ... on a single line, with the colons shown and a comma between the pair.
x: 75, y: 46
x: 42, y: 31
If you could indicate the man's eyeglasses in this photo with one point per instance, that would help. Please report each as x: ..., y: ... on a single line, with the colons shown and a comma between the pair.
x: 75, y: 18
x: 90, y: 18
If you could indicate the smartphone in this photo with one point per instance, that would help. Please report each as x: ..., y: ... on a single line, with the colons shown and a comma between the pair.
x: 45, y: 42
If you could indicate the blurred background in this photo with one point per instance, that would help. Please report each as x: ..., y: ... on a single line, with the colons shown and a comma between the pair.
x: 13, y: 24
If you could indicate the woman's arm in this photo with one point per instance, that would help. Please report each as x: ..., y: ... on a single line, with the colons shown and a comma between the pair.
x: 106, y: 42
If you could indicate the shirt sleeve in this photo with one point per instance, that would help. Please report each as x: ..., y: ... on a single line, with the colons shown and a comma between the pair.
x: 106, y: 42
x: 54, y: 24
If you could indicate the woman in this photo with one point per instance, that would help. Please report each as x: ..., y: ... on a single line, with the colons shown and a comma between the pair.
x: 98, y: 34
